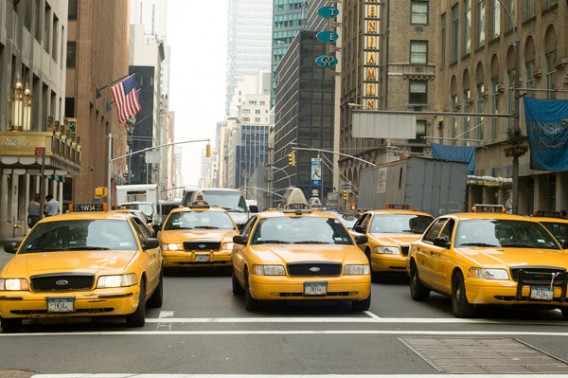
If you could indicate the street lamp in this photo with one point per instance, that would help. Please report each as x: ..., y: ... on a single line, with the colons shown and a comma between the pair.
x: 17, y: 105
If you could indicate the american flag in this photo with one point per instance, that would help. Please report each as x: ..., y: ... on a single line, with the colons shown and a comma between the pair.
x: 125, y: 98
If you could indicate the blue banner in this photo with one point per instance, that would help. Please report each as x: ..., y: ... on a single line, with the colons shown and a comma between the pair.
x: 455, y: 153
x: 547, y: 129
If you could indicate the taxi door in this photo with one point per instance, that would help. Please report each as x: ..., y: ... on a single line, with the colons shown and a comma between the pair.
x: 238, y: 256
x: 153, y: 263
x: 442, y: 258
x: 427, y: 253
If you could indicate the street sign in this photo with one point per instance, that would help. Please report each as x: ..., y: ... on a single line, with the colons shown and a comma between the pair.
x: 38, y: 151
x: 328, y: 12
x: 327, y: 36
x: 326, y: 61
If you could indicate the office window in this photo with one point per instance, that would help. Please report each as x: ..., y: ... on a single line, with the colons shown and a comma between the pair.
x: 529, y: 9
x: 549, y: 3
x: 480, y: 36
x: 550, y: 71
x: 467, y: 27
x: 480, y: 121
x: 496, y: 19
x: 71, y: 54
x: 455, y: 24
x: 529, y: 68
x: 418, y: 52
x: 419, y: 13
x: 418, y: 92
x: 72, y: 10
x: 443, y: 42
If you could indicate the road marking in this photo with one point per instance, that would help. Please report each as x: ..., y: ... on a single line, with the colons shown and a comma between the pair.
x: 291, y: 375
x: 165, y: 326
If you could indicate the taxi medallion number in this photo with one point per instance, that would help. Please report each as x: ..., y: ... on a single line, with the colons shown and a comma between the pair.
x: 540, y: 293
x: 60, y: 304
x: 315, y: 288
x: 202, y: 258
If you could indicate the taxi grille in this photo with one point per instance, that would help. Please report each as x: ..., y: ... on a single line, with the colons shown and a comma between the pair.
x: 540, y: 276
x: 314, y: 269
x: 62, y: 282
x: 201, y: 246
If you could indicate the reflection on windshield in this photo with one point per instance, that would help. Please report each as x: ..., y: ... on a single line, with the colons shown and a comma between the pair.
x: 400, y: 223
x: 80, y: 235
x: 191, y: 220
x: 502, y: 233
x: 559, y: 230
x: 300, y: 230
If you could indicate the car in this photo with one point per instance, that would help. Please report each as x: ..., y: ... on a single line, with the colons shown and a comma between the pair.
x: 88, y: 262
x: 348, y: 218
x: 488, y: 257
x: 197, y: 236
x: 300, y: 254
x: 140, y: 215
x: 554, y: 222
x: 389, y: 234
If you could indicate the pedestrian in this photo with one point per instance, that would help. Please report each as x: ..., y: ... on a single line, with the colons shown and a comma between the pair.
x: 34, y: 211
x: 51, y: 206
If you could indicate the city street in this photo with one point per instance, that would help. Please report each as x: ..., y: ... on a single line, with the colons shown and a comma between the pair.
x: 204, y: 329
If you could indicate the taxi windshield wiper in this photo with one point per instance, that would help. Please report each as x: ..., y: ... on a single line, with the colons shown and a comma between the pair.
x: 310, y: 242
x: 207, y: 227
x: 272, y: 242
x: 477, y: 245
x: 86, y: 248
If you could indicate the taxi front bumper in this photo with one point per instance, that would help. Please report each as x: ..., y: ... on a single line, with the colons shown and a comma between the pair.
x: 98, y: 302
x: 388, y: 263
x: 177, y: 259
x: 510, y: 293
x: 356, y: 288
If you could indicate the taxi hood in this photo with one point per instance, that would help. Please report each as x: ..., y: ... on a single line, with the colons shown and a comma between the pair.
x: 400, y: 239
x: 500, y: 257
x: 56, y: 262
x: 177, y: 236
x: 291, y: 253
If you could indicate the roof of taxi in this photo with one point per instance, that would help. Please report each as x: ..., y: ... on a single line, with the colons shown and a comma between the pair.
x: 550, y: 219
x: 399, y: 211
x: 185, y: 209
x: 275, y: 213
x: 491, y: 215
x: 89, y: 215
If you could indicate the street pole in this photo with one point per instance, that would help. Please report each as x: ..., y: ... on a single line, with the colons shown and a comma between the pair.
x: 516, y: 128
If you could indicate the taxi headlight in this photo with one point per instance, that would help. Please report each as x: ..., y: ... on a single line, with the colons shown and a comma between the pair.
x: 120, y: 280
x: 356, y: 269
x: 488, y: 274
x: 13, y: 284
x: 268, y: 270
x: 387, y: 250
x: 228, y: 246
x: 172, y: 246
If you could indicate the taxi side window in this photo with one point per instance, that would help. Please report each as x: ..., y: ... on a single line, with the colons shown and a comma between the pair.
x: 141, y: 230
x: 363, y: 222
x: 448, y: 230
x: 248, y: 227
x: 434, y: 230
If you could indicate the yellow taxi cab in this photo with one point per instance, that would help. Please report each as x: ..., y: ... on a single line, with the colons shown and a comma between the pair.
x: 88, y: 262
x: 140, y: 214
x: 389, y: 234
x: 554, y: 222
x: 297, y: 253
x: 197, y: 237
x: 487, y: 257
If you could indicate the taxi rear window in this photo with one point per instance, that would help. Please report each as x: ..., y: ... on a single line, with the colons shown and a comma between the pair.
x: 80, y: 235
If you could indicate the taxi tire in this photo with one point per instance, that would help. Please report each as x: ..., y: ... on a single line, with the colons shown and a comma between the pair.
x: 11, y: 325
x: 361, y: 306
x: 251, y: 304
x: 418, y: 291
x: 237, y: 288
x: 374, y: 274
x: 138, y: 317
x: 460, y: 306
x: 157, y: 298
x: 564, y: 311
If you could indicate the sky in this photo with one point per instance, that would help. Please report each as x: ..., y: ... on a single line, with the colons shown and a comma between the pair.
x: 197, y: 36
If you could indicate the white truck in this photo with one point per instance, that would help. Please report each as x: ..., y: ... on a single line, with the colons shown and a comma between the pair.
x: 139, y: 196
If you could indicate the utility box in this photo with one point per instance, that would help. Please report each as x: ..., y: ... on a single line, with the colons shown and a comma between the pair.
x: 430, y: 185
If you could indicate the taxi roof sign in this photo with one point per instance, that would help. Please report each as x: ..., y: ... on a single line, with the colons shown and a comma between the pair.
x: 547, y: 214
x: 483, y: 208
x: 87, y: 207
x: 398, y: 206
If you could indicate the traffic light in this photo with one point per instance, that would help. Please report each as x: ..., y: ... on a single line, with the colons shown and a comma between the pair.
x: 208, y: 150
x: 292, y: 159
x: 345, y: 195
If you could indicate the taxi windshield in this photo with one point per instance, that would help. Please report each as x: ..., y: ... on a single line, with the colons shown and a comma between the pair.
x: 400, y: 223
x: 228, y: 200
x: 80, y: 235
x: 502, y: 233
x: 191, y: 220
x: 300, y: 230
x: 558, y: 229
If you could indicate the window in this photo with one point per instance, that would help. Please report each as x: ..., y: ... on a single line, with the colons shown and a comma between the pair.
x: 529, y: 9
x: 496, y: 20
x: 418, y: 52
x: 549, y: 3
x: 529, y: 68
x: 454, y: 52
x: 443, y: 42
x: 467, y: 27
x: 420, y: 131
x: 550, y: 71
x: 418, y: 92
x: 480, y: 104
x: 72, y: 10
x: 419, y: 13
x: 71, y: 54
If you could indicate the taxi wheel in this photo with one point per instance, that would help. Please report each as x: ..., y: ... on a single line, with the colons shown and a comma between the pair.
x: 461, y: 307
x: 374, y: 274
x: 418, y: 292
x: 157, y: 298
x: 138, y: 317
x: 11, y: 325
x: 237, y: 288
x: 251, y: 304
x: 361, y: 305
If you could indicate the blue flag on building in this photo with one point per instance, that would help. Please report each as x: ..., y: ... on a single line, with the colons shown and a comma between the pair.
x: 547, y: 129
x: 455, y: 153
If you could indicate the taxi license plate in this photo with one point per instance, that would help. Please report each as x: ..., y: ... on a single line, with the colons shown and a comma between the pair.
x: 202, y: 258
x: 542, y: 293
x: 315, y: 288
x: 60, y: 304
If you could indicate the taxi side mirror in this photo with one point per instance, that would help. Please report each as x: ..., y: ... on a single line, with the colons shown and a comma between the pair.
x: 359, y: 229
x: 361, y: 239
x: 239, y: 239
x: 150, y: 243
x: 441, y: 241
x: 11, y: 247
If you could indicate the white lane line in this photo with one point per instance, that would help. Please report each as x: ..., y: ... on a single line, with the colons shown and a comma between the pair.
x: 291, y: 332
x: 374, y: 316
x: 165, y: 326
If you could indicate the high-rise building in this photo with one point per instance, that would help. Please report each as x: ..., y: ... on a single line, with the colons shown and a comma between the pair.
x: 248, y: 43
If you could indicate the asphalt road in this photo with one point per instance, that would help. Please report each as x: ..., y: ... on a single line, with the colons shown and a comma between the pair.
x: 203, y: 329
